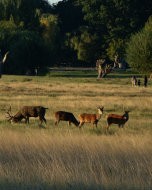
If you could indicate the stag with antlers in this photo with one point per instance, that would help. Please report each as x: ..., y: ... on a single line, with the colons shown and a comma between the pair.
x: 26, y: 112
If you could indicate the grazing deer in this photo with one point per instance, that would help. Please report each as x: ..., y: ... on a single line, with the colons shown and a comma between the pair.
x: 120, y: 120
x: 65, y: 116
x: 25, y: 112
x: 90, y: 118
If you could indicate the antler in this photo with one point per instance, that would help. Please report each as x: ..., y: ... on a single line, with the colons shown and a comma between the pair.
x: 8, y: 114
x: 100, y: 107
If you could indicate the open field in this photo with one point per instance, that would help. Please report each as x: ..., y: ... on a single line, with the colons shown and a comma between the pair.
x: 65, y: 157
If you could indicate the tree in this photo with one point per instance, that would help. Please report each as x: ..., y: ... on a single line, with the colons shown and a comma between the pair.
x: 51, y: 35
x: 85, y: 46
x: 23, y: 11
x: 20, y: 33
x: 116, y: 47
x: 139, y: 50
x: 70, y: 15
x: 27, y: 52
x: 115, y: 20
x: 70, y: 18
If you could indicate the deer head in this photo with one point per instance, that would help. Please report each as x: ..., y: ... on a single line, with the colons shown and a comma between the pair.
x: 100, y: 109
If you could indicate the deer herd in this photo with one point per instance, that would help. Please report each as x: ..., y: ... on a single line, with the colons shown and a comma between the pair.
x: 38, y: 111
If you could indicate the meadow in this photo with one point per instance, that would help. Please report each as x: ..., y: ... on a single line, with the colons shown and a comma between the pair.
x: 65, y: 157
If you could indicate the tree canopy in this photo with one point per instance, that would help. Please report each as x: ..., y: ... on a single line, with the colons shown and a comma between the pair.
x: 76, y: 32
x: 139, y: 50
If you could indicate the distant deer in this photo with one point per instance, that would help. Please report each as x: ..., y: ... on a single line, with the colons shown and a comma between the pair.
x: 25, y: 112
x: 134, y: 81
x: 91, y: 118
x: 120, y: 120
x: 65, y: 116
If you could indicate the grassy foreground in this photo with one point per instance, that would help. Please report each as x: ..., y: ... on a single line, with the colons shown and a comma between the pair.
x: 65, y: 157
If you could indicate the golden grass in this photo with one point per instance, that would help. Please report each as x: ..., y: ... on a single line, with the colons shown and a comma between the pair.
x: 68, y: 158
x: 36, y: 158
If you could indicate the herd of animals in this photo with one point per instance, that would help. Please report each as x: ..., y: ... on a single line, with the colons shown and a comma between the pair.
x: 38, y: 111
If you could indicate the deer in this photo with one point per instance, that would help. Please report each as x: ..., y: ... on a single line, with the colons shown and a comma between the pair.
x: 26, y: 112
x: 65, y: 116
x: 90, y: 118
x: 134, y: 81
x: 120, y: 120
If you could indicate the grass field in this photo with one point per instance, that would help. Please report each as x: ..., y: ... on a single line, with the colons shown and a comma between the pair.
x: 64, y: 157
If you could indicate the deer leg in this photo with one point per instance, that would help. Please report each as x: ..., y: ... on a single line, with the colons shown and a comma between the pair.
x: 80, y: 125
x: 96, y: 124
x: 27, y: 119
x: 107, y: 128
x: 44, y: 120
x: 57, y: 122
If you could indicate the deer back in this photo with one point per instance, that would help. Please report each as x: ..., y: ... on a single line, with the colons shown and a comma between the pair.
x: 66, y: 116
x: 62, y: 115
x: 117, y: 119
x: 33, y: 111
x: 85, y: 117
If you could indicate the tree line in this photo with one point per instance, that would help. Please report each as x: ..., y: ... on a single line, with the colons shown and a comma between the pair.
x: 74, y: 33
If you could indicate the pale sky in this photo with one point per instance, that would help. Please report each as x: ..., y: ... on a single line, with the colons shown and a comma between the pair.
x: 53, y: 1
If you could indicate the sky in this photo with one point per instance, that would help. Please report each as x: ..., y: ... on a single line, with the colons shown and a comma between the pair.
x: 53, y: 1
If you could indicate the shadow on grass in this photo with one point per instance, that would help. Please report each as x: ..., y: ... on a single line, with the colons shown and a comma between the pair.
x: 72, y: 75
x: 93, y: 74
x: 5, y: 185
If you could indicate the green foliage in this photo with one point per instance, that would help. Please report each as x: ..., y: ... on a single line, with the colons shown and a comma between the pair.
x: 113, y: 21
x: 50, y: 34
x: 7, y: 28
x: 139, y: 50
x: 116, y: 47
x: 85, y: 46
x: 73, y: 32
x: 22, y: 11
x: 70, y: 15
x: 26, y: 52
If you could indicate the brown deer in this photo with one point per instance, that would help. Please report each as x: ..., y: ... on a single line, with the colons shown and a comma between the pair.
x: 91, y: 118
x: 120, y: 120
x: 65, y: 116
x: 26, y: 112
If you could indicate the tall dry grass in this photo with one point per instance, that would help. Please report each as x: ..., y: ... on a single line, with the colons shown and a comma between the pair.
x: 39, y: 160
x: 68, y: 158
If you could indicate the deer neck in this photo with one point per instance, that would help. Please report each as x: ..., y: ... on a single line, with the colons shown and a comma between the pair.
x: 99, y: 115
x: 126, y: 116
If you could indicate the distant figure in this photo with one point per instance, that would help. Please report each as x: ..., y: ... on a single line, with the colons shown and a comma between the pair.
x: 2, y: 60
x: 139, y: 82
x: 134, y: 81
x: 100, y: 65
x: 116, y: 61
x: 36, y: 71
x: 145, y: 81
